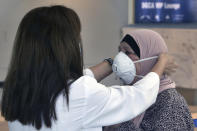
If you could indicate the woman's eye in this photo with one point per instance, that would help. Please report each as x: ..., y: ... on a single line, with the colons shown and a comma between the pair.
x: 127, y: 52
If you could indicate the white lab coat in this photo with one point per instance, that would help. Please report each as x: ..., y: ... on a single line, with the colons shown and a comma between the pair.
x: 93, y: 105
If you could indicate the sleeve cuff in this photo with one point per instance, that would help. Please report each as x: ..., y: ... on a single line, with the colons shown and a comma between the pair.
x: 152, y: 79
x: 153, y: 74
x: 88, y: 72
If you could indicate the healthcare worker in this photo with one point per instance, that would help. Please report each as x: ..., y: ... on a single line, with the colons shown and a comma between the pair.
x: 47, y: 90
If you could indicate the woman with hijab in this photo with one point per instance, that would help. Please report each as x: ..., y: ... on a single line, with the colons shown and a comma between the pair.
x: 170, y: 112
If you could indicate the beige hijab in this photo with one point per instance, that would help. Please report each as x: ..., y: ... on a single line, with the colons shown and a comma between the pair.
x: 150, y: 44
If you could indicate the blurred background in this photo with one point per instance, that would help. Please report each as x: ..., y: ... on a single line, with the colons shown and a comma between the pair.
x: 104, y: 22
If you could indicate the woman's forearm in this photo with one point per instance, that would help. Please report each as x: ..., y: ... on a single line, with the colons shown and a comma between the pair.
x: 101, y: 70
x: 161, y: 64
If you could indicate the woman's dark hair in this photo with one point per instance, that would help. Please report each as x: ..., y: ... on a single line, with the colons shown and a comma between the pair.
x: 47, y: 55
x: 132, y: 43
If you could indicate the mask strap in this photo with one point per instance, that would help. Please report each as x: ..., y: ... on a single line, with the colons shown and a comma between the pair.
x: 139, y: 76
x: 154, y: 57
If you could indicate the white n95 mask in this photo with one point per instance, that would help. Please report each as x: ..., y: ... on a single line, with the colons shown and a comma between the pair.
x: 125, y: 68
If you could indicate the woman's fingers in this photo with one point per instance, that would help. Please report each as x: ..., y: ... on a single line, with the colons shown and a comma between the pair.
x: 171, y: 66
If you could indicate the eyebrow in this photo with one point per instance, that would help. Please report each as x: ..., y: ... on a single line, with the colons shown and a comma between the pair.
x: 133, y: 53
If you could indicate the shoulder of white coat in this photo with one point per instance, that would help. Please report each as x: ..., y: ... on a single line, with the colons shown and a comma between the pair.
x: 84, y: 83
x: 78, y: 87
x: 83, y: 80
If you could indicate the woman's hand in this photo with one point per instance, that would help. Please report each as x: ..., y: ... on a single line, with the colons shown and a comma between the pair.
x: 171, y: 65
x: 165, y: 64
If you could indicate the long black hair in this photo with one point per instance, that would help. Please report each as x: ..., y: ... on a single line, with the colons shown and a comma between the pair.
x: 47, y: 54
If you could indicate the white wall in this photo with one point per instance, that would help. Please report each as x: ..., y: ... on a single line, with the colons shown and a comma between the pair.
x: 11, y: 13
x: 101, y: 24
